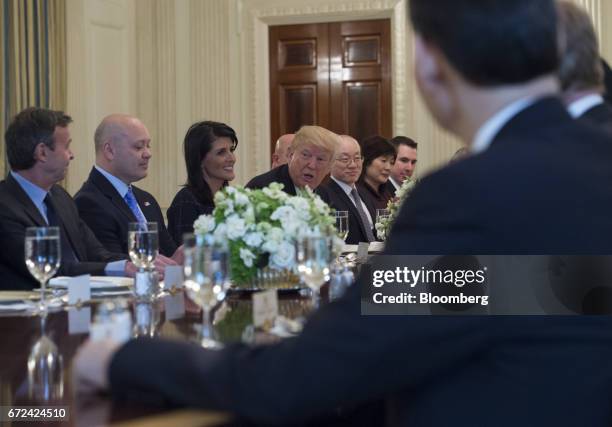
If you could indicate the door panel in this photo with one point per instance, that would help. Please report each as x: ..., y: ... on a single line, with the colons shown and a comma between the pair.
x: 336, y: 75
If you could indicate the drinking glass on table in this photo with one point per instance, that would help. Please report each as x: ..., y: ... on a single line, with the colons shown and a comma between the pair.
x: 42, y: 258
x: 382, y: 215
x: 143, y: 246
x: 206, y: 279
x: 315, y: 269
x: 342, y: 219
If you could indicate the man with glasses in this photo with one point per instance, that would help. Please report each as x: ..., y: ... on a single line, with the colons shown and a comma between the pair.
x: 341, y: 193
x: 310, y: 159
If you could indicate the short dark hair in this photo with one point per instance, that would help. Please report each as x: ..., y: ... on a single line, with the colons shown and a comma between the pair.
x: 491, y: 42
x: 29, y: 128
x: 403, y: 140
x: 197, y: 144
x: 373, y: 147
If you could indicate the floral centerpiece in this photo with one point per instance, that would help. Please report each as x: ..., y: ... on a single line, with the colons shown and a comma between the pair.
x: 384, y: 225
x: 261, y: 226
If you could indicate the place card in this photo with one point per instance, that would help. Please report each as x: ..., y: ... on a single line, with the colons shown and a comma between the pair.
x: 175, y: 306
x: 362, y: 252
x: 173, y: 277
x: 79, y: 320
x: 79, y: 290
x: 265, y: 308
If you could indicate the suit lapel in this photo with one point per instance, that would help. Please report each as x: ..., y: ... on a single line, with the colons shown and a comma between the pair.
x: 110, y: 192
x: 146, y: 205
x: 28, y: 206
x: 346, y: 200
x: 69, y: 222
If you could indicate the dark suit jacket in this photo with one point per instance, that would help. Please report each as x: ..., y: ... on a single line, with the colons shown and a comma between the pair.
x: 183, y: 211
x: 108, y: 215
x: 18, y: 212
x: 376, y: 199
x: 599, y: 115
x: 336, y: 198
x: 279, y: 174
x: 526, y: 194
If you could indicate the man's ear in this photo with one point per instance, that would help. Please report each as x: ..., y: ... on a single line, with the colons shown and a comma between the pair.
x: 108, y: 149
x: 428, y: 69
x: 40, y: 152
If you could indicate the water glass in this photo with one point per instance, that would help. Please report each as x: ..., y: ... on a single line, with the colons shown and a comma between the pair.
x: 143, y: 244
x: 342, y: 218
x: 42, y: 257
x: 315, y: 269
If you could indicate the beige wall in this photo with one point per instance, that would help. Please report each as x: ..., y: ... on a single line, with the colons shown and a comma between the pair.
x: 172, y: 62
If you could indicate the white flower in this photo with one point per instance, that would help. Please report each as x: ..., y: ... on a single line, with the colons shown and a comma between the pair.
x: 284, y: 256
x: 230, y: 190
x: 247, y: 257
x: 220, y: 233
x: 241, y: 199
x: 236, y: 227
x: 320, y: 205
x: 253, y: 239
x: 204, y: 224
x: 249, y: 214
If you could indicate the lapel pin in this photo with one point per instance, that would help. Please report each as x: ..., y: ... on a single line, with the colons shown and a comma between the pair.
x: 147, y: 204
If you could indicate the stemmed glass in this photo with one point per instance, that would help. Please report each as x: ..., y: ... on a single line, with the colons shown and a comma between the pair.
x: 342, y: 223
x: 42, y: 257
x: 143, y: 246
x: 45, y: 369
x: 206, y: 279
x: 382, y: 215
x: 315, y: 269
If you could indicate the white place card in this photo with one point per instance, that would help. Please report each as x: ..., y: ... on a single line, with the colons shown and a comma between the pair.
x: 362, y: 252
x: 173, y: 276
x: 79, y: 290
x: 79, y: 320
x: 265, y: 308
x: 175, y: 306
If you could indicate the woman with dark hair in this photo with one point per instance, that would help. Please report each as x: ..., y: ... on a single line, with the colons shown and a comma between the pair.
x: 378, y: 159
x: 209, y: 159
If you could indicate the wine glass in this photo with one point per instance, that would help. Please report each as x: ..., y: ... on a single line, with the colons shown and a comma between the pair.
x: 382, y: 215
x: 42, y: 257
x: 143, y: 246
x: 45, y: 369
x: 315, y: 271
x: 202, y: 283
x: 342, y: 219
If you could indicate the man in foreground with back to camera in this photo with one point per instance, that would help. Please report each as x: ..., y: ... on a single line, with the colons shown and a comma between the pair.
x: 486, y: 70
x: 38, y: 150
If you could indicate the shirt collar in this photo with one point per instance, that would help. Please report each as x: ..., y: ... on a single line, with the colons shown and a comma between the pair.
x: 120, y: 186
x: 583, y: 104
x: 489, y: 129
x: 345, y: 187
x: 395, y: 183
x: 34, y: 192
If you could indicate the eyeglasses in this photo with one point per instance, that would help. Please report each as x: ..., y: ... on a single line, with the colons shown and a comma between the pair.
x: 347, y: 160
x: 306, y: 156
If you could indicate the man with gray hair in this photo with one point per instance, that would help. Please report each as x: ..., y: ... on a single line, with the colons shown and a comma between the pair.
x: 581, y: 72
x: 281, y: 150
x: 108, y: 201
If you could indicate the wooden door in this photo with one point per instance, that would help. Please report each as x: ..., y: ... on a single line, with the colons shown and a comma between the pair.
x: 336, y: 75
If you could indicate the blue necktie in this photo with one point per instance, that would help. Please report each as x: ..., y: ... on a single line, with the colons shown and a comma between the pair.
x: 133, y: 205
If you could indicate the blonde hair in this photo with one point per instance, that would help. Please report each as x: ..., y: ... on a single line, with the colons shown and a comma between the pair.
x: 317, y: 136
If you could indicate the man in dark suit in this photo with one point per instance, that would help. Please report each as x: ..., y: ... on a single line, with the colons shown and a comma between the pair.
x: 310, y: 156
x: 581, y: 72
x: 108, y: 201
x: 486, y: 70
x: 340, y: 191
x: 38, y: 151
x: 405, y: 162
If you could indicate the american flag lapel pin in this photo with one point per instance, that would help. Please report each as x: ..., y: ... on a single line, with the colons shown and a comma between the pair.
x: 147, y: 204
